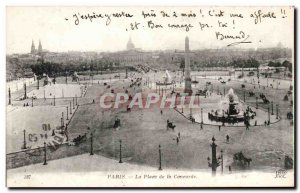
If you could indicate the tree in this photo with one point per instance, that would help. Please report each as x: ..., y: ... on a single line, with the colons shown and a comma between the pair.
x: 288, y: 65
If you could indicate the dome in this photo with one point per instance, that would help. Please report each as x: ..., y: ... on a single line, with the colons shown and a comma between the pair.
x: 130, y: 45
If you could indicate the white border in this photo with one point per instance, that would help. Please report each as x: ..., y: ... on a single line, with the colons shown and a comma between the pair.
x: 5, y: 3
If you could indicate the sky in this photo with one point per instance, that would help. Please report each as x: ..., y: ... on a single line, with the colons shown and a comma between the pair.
x: 55, y: 27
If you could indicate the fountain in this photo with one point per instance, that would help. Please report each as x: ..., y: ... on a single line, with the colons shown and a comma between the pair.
x: 231, y: 110
x: 167, y: 79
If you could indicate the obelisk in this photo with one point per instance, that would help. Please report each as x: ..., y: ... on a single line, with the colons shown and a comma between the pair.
x: 187, y: 79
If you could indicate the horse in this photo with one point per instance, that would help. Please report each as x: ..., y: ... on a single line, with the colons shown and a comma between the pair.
x: 170, y: 125
x: 247, y: 160
x: 241, y: 158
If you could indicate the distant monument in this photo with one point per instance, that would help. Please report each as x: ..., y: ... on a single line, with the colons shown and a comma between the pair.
x: 166, y: 79
x: 130, y: 45
x: 187, y: 79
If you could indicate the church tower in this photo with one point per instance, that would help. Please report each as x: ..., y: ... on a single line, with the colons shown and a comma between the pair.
x: 32, y: 48
x: 40, y: 49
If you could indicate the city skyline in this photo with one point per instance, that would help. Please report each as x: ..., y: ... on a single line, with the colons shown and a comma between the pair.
x: 279, y: 45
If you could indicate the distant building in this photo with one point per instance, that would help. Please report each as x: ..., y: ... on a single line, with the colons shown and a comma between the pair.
x: 132, y: 55
x: 38, y: 51
x: 33, y: 50
x: 130, y: 45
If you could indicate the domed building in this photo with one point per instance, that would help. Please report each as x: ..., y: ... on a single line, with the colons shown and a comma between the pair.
x: 130, y: 45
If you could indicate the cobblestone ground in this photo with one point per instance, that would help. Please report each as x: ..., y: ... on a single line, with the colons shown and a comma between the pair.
x: 142, y: 130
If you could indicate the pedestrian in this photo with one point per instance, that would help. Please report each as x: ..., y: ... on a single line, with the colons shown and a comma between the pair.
x: 161, y: 112
x: 229, y: 168
x: 227, y: 138
x: 177, y: 139
x: 93, y: 101
x: 179, y: 135
x: 201, y: 127
x: 168, y: 124
x: 219, y: 127
x: 265, y: 123
x: 255, y: 123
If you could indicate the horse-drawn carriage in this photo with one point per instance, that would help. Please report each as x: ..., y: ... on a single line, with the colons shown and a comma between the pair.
x: 241, y: 159
x: 289, y: 115
x: 170, y: 125
x: 80, y: 139
x: 201, y: 92
x: 264, y: 98
x: 251, y: 94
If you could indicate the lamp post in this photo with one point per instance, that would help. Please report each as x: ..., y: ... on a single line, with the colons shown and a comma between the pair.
x: 277, y: 111
x: 201, y: 115
x: 70, y: 107
x: 159, y: 153
x: 272, y: 113
x: 67, y: 113
x: 222, y: 165
x: 9, y: 97
x: 120, y: 151
x: 182, y: 107
x: 45, y: 154
x: 256, y: 102
x: 76, y: 100
x: 92, y: 150
x: 24, y: 140
x: 73, y: 103
x: 63, y: 119
x: 214, y: 162
x: 268, y: 114
x: 54, y: 100
x: 25, y: 92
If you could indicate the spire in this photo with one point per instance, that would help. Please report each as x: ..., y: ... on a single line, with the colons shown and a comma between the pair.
x: 32, y: 48
x: 40, y: 49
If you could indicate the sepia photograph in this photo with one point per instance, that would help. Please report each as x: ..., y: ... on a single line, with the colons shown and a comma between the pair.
x: 150, y: 96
